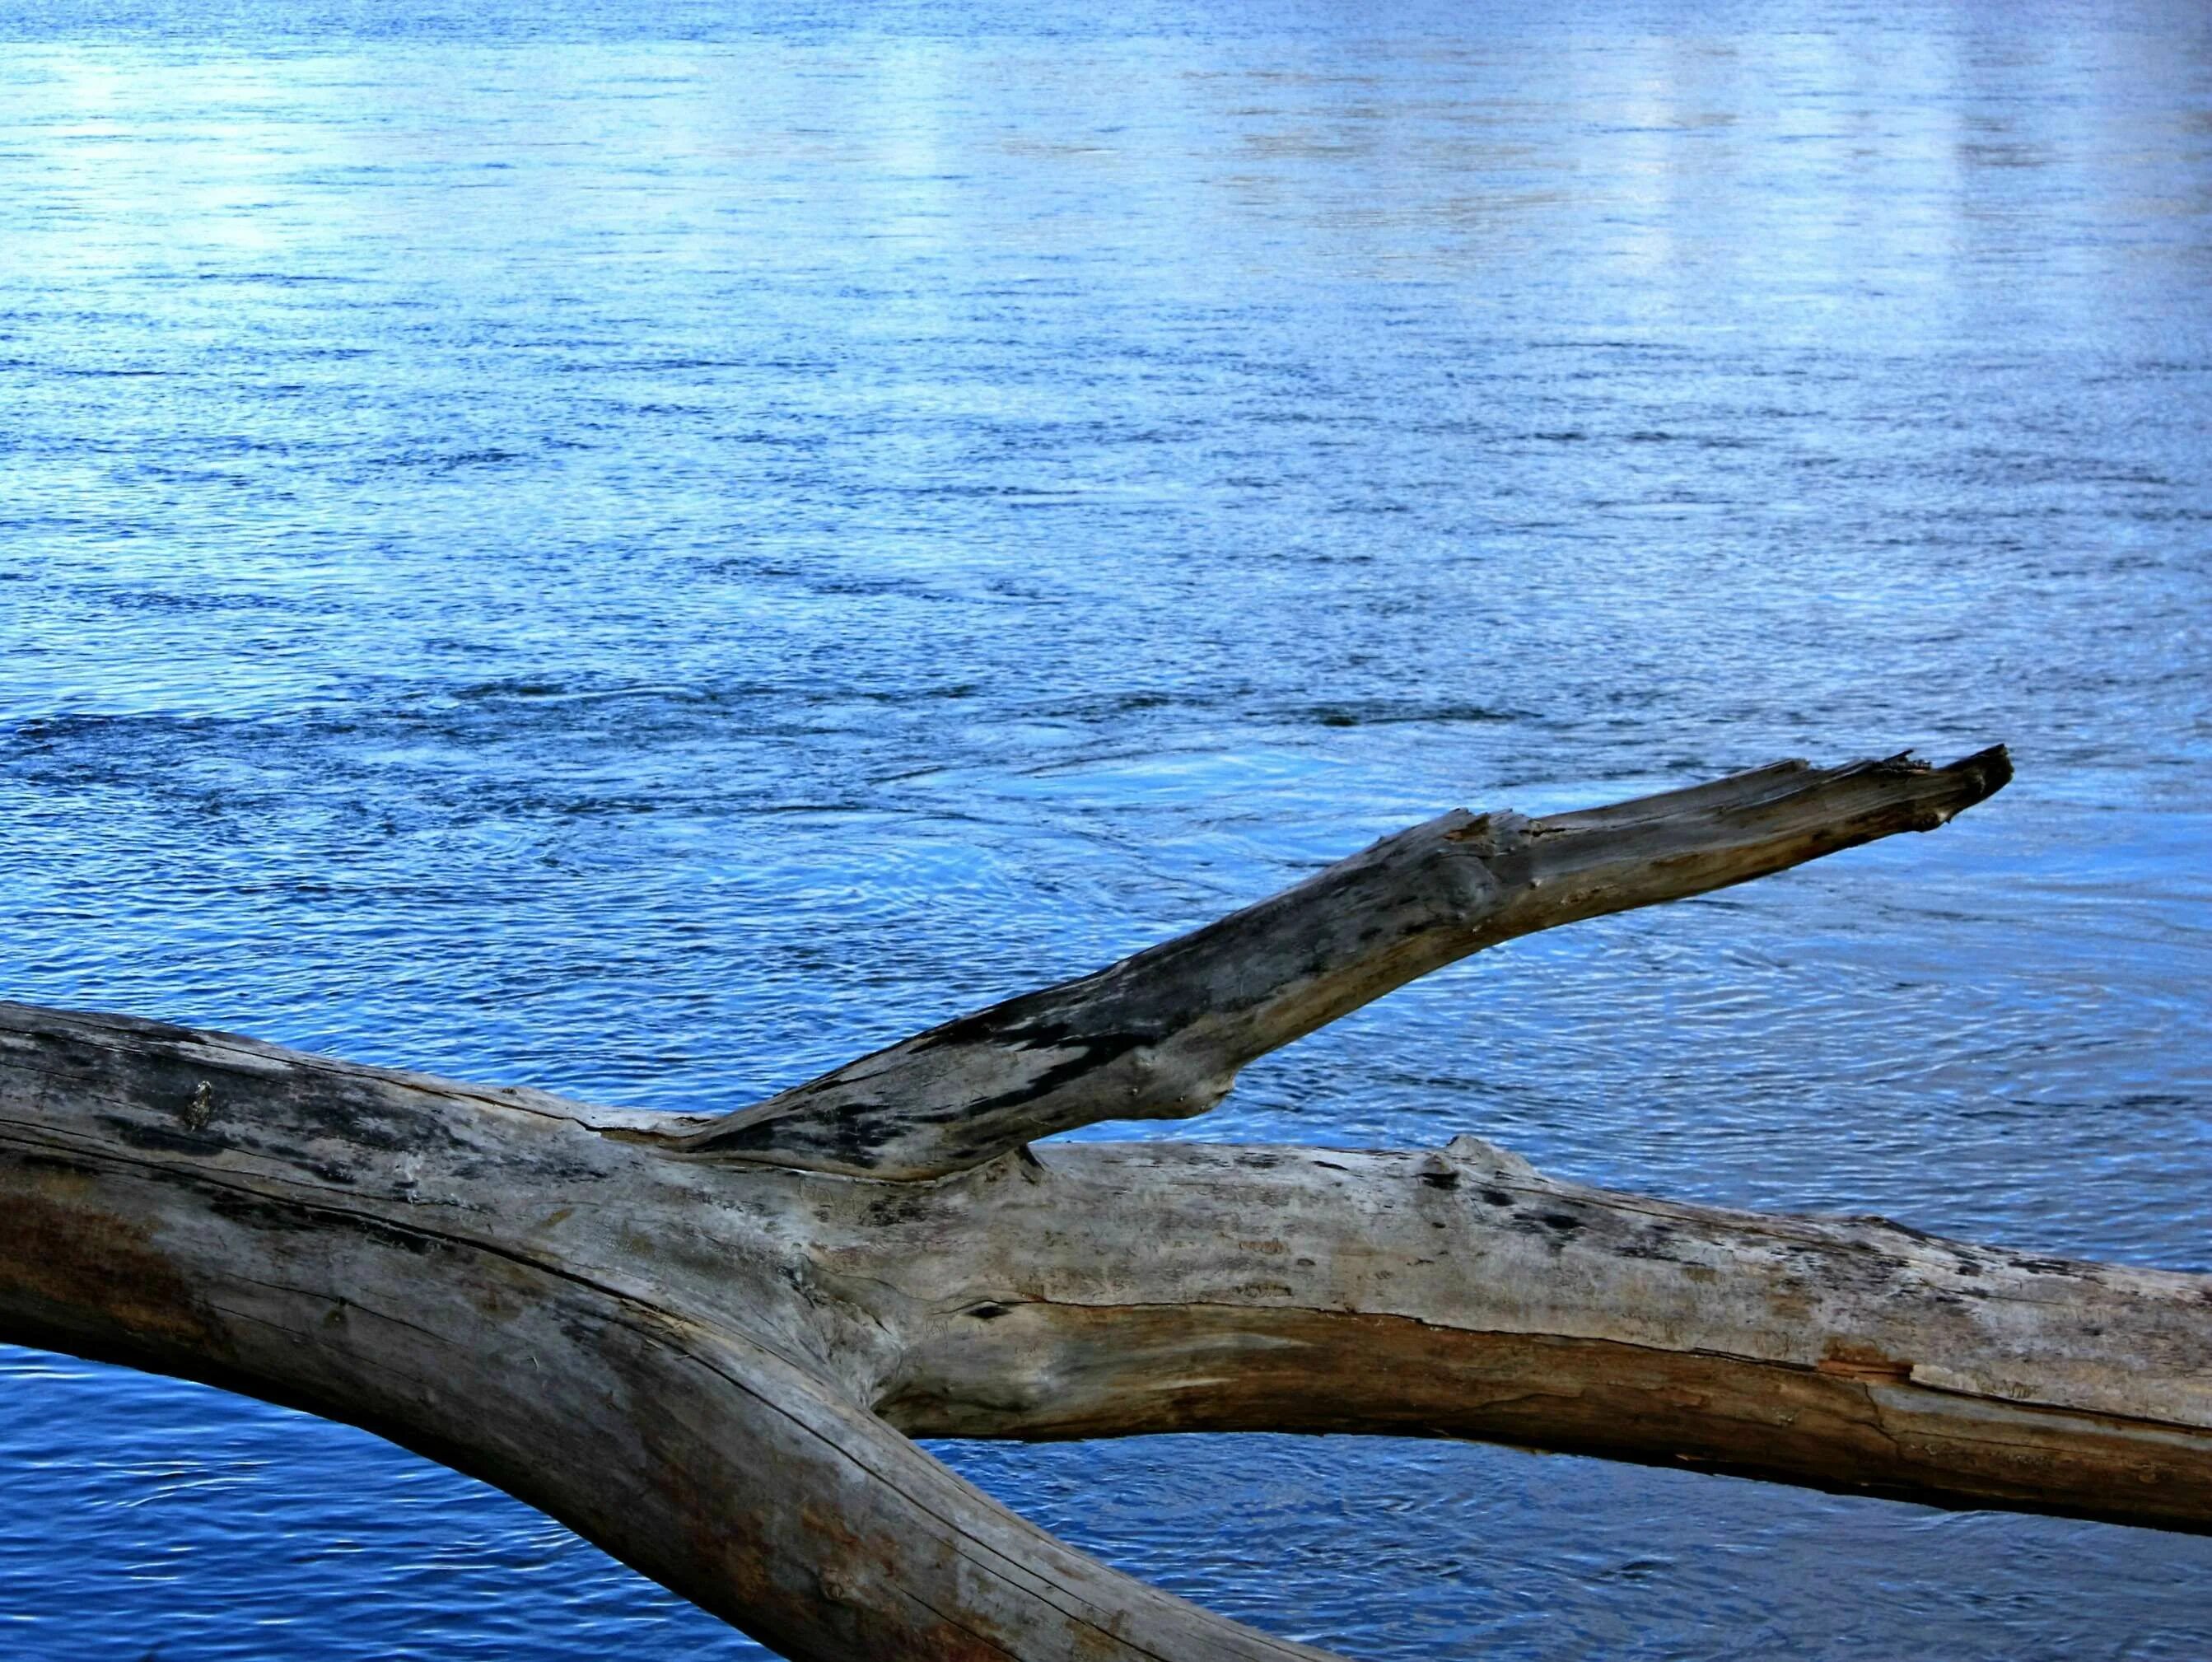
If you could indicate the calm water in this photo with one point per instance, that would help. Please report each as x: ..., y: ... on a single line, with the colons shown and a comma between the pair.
x: 646, y: 548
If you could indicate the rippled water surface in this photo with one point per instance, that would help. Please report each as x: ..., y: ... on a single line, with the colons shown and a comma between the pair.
x: 646, y: 549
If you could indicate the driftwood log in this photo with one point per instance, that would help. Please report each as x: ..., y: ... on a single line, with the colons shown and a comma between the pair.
x: 704, y: 1343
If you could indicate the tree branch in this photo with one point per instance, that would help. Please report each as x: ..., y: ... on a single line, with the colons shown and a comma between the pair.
x: 1162, y: 1034
x: 1121, y: 1289
x: 705, y: 1364
x: 458, y: 1270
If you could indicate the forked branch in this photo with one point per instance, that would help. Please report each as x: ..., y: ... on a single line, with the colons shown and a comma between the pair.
x: 700, y: 1345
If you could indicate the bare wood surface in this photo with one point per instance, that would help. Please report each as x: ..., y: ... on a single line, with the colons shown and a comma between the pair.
x: 1124, y: 1288
x: 1162, y: 1034
x: 639, y: 1346
x: 711, y: 1365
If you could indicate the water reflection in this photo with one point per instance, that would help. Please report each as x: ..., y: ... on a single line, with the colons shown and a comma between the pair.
x: 646, y: 552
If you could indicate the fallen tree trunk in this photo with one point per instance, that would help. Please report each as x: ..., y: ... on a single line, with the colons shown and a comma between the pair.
x: 705, y: 1342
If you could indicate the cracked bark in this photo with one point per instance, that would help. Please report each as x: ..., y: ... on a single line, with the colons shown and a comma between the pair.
x: 705, y: 1342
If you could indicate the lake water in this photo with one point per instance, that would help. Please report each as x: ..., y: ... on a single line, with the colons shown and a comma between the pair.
x: 648, y: 548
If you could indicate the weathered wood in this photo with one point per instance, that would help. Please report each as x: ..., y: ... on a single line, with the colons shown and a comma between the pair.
x: 711, y: 1365
x: 1127, y: 1288
x: 644, y: 1348
x: 1162, y: 1034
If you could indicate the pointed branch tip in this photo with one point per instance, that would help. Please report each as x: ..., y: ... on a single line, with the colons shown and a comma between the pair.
x: 1162, y: 1034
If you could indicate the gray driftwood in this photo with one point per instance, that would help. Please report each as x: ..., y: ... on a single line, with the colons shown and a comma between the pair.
x: 705, y: 1342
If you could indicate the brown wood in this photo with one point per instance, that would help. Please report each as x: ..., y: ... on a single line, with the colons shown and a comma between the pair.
x: 1162, y: 1034
x: 1458, y: 1293
x: 705, y: 1343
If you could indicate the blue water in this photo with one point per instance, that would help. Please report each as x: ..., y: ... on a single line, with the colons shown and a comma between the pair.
x: 646, y: 548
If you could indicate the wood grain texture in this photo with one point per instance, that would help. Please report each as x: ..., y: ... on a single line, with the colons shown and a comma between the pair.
x: 641, y: 1347
x: 712, y: 1365
x: 1162, y: 1034
x: 1120, y: 1289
